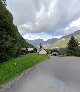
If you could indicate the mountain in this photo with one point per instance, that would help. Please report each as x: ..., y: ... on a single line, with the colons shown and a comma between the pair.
x: 62, y: 42
x: 38, y: 41
x: 72, y: 34
x: 53, y: 40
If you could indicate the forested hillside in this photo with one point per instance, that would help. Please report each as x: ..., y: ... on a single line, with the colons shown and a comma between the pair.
x: 10, y: 40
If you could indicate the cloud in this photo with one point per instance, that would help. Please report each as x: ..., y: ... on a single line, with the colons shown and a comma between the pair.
x: 48, y: 16
x: 44, y: 36
x: 73, y: 26
x: 51, y: 7
x: 75, y: 23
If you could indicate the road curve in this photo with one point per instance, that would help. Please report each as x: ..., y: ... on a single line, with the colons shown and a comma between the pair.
x: 58, y: 74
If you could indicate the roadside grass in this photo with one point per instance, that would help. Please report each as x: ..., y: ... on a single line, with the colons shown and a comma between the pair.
x: 14, y: 67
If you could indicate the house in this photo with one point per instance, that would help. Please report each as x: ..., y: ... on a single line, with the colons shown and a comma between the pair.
x: 24, y: 51
x: 30, y: 50
x: 42, y: 51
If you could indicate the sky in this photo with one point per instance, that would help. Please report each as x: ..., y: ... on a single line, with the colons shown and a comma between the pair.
x: 45, y: 19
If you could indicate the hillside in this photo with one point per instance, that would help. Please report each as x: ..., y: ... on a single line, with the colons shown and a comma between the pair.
x: 62, y: 42
x: 73, y: 34
x: 55, y: 43
x: 10, y: 39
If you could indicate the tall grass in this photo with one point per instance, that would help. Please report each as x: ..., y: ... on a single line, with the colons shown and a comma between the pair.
x: 14, y: 67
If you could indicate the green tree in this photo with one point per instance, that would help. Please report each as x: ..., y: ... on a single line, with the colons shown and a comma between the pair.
x: 72, y: 47
x: 11, y: 41
x: 78, y: 51
x: 4, y: 2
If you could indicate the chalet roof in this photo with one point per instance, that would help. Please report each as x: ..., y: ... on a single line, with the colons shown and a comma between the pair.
x: 23, y: 48
x: 40, y: 49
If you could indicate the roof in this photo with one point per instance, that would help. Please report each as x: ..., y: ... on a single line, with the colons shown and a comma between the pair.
x: 41, y: 49
x: 23, y: 48
x: 30, y: 49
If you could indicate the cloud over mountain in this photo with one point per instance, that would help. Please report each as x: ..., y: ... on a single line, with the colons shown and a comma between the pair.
x: 48, y: 16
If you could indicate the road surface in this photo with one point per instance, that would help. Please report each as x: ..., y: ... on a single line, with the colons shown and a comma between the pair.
x: 58, y: 74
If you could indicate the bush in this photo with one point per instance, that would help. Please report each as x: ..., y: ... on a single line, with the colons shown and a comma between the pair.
x: 62, y: 51
x: 78, y: 54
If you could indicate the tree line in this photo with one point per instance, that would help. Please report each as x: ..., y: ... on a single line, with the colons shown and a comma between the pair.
x: 72, y: 49
x: 11, y: 41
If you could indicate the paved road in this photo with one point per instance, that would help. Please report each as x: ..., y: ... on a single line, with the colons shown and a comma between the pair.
x: 57, y: 74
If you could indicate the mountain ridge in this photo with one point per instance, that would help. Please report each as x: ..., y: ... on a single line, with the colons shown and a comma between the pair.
x: 38, y: 41
x: 62, y: 42
x: 54, y: 41
x: 72, y: 34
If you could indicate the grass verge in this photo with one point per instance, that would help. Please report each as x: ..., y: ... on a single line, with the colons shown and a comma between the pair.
x: 14, y: 67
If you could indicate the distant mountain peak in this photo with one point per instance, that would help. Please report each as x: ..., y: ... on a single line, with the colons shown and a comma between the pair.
x: 72, y: 34
x: 37, y: 42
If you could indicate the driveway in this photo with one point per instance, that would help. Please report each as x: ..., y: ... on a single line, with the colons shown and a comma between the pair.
x: 58, y: 74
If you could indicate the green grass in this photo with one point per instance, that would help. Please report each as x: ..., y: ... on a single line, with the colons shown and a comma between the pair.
x: 9, y: 70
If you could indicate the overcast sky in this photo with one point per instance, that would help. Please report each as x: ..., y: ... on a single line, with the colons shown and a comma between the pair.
x: 45, y: 19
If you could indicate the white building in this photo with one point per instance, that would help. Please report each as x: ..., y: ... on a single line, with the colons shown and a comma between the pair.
x: 30, y: 49
x: 42, y: 51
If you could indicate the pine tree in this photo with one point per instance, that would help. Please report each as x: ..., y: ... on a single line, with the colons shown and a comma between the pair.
x: 72, y: 47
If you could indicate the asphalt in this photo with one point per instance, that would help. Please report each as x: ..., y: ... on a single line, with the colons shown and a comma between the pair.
x: 58, y: 74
